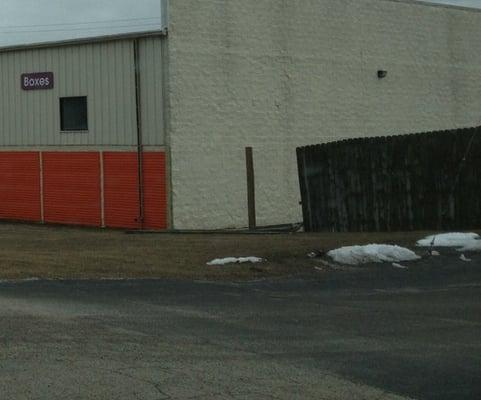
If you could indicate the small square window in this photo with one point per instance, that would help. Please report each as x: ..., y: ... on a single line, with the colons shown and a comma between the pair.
x: 73, y: 114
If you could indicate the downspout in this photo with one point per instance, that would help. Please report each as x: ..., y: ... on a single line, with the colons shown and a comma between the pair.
x: 164, y: 15
x: 140, y: 145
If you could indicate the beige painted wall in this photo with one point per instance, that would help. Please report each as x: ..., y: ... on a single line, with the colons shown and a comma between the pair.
x: 276, y: 74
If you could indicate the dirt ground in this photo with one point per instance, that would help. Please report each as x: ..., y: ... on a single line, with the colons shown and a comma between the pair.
x: 37, y: 251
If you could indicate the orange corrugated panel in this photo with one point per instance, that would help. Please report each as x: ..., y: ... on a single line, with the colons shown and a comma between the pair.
x: 20, y: 186
x: 121, y: 190
x: 155, y: 191
x: 71, y: 185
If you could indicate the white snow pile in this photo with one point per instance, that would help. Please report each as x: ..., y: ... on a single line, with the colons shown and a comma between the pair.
x: 372, y: 253
x: 465, y: 241
x: 474, y: 245
x: 235, y: 260
x: 454, y: 239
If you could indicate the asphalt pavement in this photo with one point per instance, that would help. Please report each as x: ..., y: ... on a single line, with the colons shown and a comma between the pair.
x: 294, y: 338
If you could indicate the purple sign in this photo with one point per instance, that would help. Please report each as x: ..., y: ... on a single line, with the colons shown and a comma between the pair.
x: 37, y: 81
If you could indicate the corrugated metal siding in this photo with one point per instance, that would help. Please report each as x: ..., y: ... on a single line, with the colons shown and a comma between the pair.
x: 71, y: 187
x: 121, y: 190
x: 151, y: 79
x: 155, y: 191
x: 104, y: 72
x: 20, y: 186
x: 72, y: 180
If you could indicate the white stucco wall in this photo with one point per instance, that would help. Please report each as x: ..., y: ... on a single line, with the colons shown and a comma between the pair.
x: 276, y: 74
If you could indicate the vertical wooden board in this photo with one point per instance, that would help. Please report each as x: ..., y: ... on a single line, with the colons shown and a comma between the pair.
x: 251, y: 190
x: 475, y: 167
x: 331, y: 204
x: 397, y: 190
x: 304, y: 187
x: 367, y: 185
x: 121, y: 190
x: 408, y: 182
x: 72, y: 188
x: 155, y: 190
x: 315, y: 190
x: 20, y: 186
x: 324, y: 183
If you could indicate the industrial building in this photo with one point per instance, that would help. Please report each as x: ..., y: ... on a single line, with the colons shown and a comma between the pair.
x: 82, y: 138
x: 149, y: 130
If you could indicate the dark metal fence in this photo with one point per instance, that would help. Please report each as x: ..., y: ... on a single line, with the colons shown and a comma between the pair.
x: 395, y: 183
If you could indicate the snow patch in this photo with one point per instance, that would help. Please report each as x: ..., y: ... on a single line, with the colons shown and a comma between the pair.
x: 464, y: 258
x: 454, y: 239
x: 372, y: 253
x: 235, y: 260
x: 396, y: 265
x: 474, y: 245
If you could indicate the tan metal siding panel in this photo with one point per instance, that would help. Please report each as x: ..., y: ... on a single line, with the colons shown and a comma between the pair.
x: 151, y: 76
x: 101, y: 71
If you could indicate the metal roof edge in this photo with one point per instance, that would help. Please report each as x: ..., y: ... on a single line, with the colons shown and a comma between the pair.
x: 436, y: 5
x: 87, y: 40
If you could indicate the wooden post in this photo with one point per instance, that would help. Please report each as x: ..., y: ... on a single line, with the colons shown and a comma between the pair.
x: 251, y: 190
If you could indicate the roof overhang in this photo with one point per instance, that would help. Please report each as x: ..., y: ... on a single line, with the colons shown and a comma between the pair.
x: 438, y: 5
x: 88, y: 40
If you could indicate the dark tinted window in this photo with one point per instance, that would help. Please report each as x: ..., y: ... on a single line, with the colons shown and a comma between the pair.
x: 73, y: 114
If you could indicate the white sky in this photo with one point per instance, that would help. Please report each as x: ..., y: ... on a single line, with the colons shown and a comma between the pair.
x: 27, y: 21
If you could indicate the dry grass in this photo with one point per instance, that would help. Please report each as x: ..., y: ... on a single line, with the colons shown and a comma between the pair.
x: 28, y: 251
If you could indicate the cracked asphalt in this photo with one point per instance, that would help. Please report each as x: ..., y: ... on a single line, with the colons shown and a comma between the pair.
x: 283, y: 339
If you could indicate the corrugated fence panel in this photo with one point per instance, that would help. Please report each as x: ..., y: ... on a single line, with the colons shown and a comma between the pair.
x: 155, y: 191
x: 72, y: 188
x: 20, y: 186
x: 121, y: 190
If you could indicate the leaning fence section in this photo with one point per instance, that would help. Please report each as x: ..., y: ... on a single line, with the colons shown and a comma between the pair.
x: 394, y: 183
